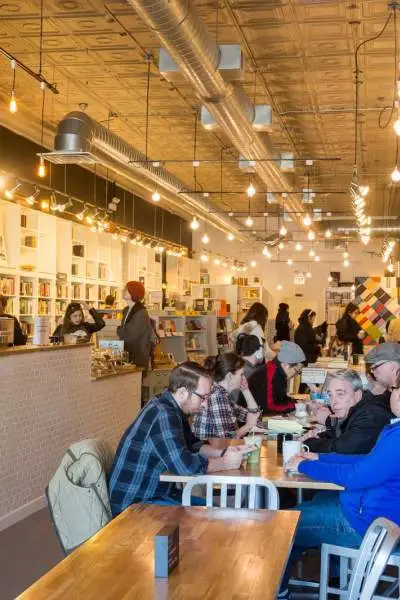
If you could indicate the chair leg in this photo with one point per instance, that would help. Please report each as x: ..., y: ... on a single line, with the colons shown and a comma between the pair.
x: 344, y: 572
x: 324, y: 574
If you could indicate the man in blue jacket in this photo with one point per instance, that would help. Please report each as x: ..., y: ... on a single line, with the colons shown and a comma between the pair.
x: 371, y: 482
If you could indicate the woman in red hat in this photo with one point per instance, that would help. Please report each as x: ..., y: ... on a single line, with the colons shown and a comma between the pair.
x: 135, y: 329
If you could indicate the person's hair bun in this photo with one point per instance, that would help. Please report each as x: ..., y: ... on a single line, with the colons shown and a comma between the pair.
x: 210, y: 363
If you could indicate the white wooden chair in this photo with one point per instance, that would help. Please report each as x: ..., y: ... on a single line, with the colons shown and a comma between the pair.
x: 361, y: 569
x: 254, y: 489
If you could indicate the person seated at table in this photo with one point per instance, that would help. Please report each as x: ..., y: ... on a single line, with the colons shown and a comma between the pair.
x: 251, y: 349
x: 74, y: 322
x: 269, y: 381
x: 222, y: 417
x: 371, y: 489
x: 254, y: 323
x: 357, y: 417
x: 160, y: 439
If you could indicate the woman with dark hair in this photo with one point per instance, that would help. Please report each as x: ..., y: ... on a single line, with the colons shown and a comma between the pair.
x: 349, y: 331
x: 221, y: 416
x: 254, y: 323
x: 74, y: 322
x: 305, y: 337
x: 19, y: 337
x: 283, y: 325
x: 136, y: 330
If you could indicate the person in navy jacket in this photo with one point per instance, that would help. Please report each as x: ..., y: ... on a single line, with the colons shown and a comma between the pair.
x: 371, y: 482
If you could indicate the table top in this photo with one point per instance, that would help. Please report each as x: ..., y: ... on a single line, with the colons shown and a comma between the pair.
x: 270, y: 467
x: 224, y: 554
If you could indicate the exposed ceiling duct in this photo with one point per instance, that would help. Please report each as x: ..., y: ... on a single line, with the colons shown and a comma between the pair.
x: 82, y: 140
x: 185, y: 37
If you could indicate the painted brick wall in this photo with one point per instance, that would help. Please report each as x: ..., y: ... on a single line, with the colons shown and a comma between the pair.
x: 47, y: 402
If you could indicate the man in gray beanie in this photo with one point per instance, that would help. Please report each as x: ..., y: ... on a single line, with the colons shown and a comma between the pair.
x: 269, y: 381
x: 383, y: 364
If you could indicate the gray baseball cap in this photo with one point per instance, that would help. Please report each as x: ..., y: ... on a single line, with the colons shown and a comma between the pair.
x: 387, y: 352
x: 291, y: 353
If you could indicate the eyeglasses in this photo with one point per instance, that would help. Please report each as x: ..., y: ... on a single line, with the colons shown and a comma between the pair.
x: 201, y: 396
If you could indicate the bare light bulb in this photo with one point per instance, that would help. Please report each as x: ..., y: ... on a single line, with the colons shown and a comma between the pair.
x: 308, y: 275
x: 299, y: 247
x: 317, y: 258
x: 281, y: 245
x: 42, y: 168
x: 330, y: 278
x: 266, y: 252
x: 194, y: 224
x: 230, y: 237
x: 345, y: 255
x: 364, y: 189
x: 204, y: 258
x: 205, y: 239
x: 253, y: 264
x: 13, y: 103
x: 390, y: 268
x: 307, y: 220
x: 217, y: 261
x: 311, y: 253
x: 251, y: 190
x: 328, y: 233
x: 346, y: 263
x: 249, y: 221
x: 44, y: 204
x: 311, y: 236
x: 289, y: 262
x: 156, y: 197
x: 395, y: 176
x: 396, y: 126
x: 283, y: 231
x: 279, y: 287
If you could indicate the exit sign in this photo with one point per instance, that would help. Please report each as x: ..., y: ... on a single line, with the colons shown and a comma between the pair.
x: 299, y: 279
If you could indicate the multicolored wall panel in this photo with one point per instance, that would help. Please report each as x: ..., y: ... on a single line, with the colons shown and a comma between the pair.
x: 377, y: 305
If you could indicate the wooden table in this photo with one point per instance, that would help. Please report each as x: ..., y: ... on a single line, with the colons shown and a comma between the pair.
x: 270, y: 467
x: 224, y: 554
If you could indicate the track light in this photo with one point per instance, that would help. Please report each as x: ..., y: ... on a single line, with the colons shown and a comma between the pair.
x: 328, y: 233
x: 217, y: 261
x: 283, y: 231
x: 80, y: 215
x: 279, y: 287
x: 307, y: 220
x: 251, y: 190
x: 31, y: 199
x: 311, y: 236
x: 205, y: 239
x: 44, y: 205
x: 390, y: 267
x: 395, y: 175
x: 194, y: 224
x: 42, y: 168
x: 230, y: 237
x: 10, y: 193
x: 156, y: 197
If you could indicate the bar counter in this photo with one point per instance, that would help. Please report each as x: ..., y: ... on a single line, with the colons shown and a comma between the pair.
x: 49, y: 400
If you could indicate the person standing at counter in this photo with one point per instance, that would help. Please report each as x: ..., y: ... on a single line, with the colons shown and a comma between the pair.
x: 283, y: 324
x: 349, y: 331
x: 135, y: 329
x: 19, y: 337
x: 74, y: 322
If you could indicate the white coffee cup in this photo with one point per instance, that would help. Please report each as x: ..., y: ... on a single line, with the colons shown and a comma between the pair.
x: 291, y: 448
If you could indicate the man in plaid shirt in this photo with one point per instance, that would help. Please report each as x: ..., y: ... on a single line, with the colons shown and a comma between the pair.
x: 220, y: 418
x: 160, y: 440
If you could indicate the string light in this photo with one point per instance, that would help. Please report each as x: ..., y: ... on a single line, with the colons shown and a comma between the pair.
x: 311, y: 236
x: 328, y: 233
x: 156, y: 196
x: 307, y: 220
x: 194, y: 224
x: 230, y: 237
x: 205, y: 239
x: 249, y: 221
x: 251, y: 190
x: 283, y: 231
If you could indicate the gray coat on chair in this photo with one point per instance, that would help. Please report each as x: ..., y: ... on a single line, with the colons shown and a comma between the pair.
x: 136, y: 331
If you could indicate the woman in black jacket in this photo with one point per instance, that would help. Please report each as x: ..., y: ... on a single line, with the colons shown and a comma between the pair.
x: 349, y: 331
x: 136, y: 330
x: 305, y: 335
x: 74, y: 322
x: 283, y: 324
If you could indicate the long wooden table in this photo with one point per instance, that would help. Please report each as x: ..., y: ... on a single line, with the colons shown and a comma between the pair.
x: 270, y: 467
x: 224, y: 554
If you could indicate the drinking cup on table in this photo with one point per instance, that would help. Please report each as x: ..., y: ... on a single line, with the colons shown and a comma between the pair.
x: 300, y: 410
x: 291, y: 448
x: 281, y: 437
x: 254, y: 457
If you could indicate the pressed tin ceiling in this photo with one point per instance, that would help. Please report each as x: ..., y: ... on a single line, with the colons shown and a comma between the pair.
x: 299, y: 58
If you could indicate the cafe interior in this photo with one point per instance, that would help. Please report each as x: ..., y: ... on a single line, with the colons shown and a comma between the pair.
x: 199, y: 299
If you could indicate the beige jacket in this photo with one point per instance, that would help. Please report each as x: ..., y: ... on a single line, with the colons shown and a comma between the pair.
x: 394, y: 331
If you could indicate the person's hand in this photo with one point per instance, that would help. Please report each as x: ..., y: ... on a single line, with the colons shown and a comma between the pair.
x: 395, y: 402
x: 361, y: 334
x: 294, y: 462
x: 309, y: 435
x: 84, y: 305
x: 320, y: 412
x: 234, y: 455
x: 243, y: 383
x: 252, y: 419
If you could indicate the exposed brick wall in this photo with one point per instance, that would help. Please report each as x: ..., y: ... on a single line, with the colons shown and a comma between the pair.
x: 47, y: 402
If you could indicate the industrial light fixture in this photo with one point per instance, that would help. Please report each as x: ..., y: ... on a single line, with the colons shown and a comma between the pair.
x: 328, y: 233
x: 311, y: 253
x: 81, y: 214
x: 298, y: 247
x: 156, y: 197
x: 13, y: 101
x: 31, y: 199
x: 249, y: 221
x: 10, y: 192
x: 307, y: 220
x: 311, y: 236
x: 230, y: 237
x: 194, y: 224
x: 205, y: 239
x: 42, y: 168
x: 251, y: 190
x: 283, y: 231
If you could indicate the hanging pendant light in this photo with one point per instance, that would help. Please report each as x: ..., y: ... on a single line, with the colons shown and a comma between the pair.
x: 194, y: 224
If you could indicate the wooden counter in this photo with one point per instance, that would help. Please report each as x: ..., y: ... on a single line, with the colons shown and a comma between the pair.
x: 11, y: 350
x: 48, y: 401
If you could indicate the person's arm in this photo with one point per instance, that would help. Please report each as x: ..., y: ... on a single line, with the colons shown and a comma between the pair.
x: 370, y: 471
x: 97, y: 318
x: 220, y: 414
x: 361, y: 434
x: 19, y: 337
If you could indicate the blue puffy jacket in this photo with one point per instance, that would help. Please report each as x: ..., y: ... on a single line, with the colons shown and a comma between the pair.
x: 371, y: 482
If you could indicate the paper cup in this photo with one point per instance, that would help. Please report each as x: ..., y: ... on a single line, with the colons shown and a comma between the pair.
x: 254, y: 457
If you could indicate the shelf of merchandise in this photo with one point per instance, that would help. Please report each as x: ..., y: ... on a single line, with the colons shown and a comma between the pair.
x: 336, y: 299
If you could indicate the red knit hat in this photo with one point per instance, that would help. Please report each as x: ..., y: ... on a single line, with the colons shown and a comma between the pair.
x: 136, y: 290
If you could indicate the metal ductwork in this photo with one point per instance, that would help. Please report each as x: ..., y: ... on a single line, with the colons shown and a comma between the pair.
x: 185, y: 37
x: 82, y: 140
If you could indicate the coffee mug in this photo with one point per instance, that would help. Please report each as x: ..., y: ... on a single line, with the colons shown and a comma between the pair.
x: 291, y: 448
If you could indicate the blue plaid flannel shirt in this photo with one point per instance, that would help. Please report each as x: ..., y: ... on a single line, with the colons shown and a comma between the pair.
x: 158, y: 440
